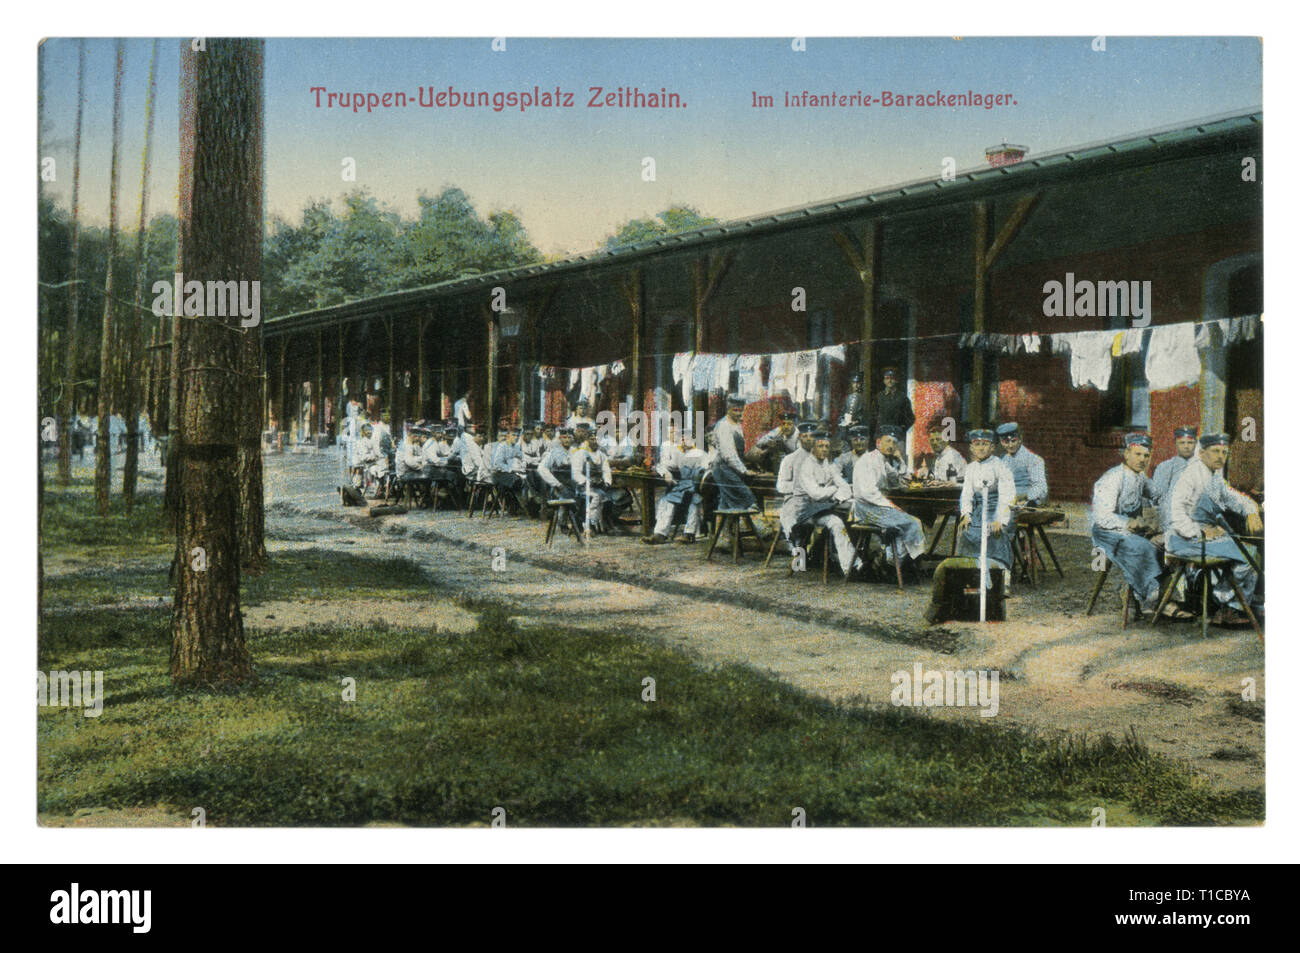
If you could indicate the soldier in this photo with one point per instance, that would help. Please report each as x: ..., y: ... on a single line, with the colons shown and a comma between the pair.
x: 592, y: 478
x: 893, y: 408
x: 556, y: 468
x: 550, y: 437
x: 1166, y: 475
x: 852, y: 414
x: 682, y: 465
x: 773, y: 446
x: 729, y: 466
x: 785, y: 475
x: 1197, y: 524
x: 948, y: 466
x: 473, y: 461
x: 461, y: 409
x: 859, y: 446
x: 580, y: 415
x: 1118, y: 529
x: 986, y: 473
x: 872, y: 474
x: 508, y: 467
x: 818, y: 489
x: 1027, y: 468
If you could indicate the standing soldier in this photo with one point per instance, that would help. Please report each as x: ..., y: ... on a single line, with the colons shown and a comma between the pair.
x: 893, y: 408
x: 729, y: 466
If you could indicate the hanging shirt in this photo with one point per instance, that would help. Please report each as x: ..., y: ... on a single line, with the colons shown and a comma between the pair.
x: 749, y: 376
x: 1172, y: 359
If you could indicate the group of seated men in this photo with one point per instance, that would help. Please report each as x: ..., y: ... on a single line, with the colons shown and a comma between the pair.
x: 526, y: 465
x: 1192, y: 502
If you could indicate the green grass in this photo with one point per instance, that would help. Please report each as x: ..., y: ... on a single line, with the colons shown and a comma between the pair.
x: 551, y: 726
x: 545, y: 722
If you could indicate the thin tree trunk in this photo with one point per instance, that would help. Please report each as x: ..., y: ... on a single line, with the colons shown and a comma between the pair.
x: 130, y: 380
x: 220, y: 240
x: 104, y: 445
x: 68, y: 410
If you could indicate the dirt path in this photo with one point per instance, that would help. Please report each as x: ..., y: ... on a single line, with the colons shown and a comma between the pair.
x: 1060, y: 672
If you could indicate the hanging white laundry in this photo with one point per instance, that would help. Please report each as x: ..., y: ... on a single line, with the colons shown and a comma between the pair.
x: 1204, y: 339
x: 574, y: 376
x: 682, y: 372
x: 803, y: 373
x: 1032, y: 343
x: 834, y: 352
x: 616, y: 368
x: 776, y: 374
x: 588, y: 385
x: 1090, y: 357
x: 749, y: 376
x: 1172, y: 360
x: 722, y: 372
x: 1131, y: 341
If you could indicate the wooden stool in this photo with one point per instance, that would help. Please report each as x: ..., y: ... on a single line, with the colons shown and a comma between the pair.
x: 1208, y: 565
x: 861, y: 534
x: 724, y: 518
x: 1130, y: 597
x: 563, y: 512
x: 483, y: 496
x: 1030, y: 527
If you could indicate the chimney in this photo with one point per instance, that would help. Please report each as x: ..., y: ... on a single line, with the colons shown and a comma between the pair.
x: 1004, y: 154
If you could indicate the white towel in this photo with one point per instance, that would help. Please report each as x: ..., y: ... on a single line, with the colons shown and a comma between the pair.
x: 1090, y: 357
x: 749, y: 379
x: 1172, y: 360
x: 834, y: 352
x: 722, y: 372
x: 776, y: 374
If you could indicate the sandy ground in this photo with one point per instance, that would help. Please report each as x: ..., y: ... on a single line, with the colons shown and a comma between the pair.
x: 1060, y: 671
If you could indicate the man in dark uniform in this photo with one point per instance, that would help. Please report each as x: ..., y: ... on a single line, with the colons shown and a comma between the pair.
x: 893, y: 408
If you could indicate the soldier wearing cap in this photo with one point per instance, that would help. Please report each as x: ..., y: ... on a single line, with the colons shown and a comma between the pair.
x: 948, y: 465
x: 508, y: 467
x: 1027, y: 467
x: 895, y: 458
x: 1197, y: 524
x: 859, y: 446
x: 474, y: 463
x: 1167, y: 473
x: 986, y: 473
x: 592, y: 480
x: 785, y: 475
x: 729, y: 466
x: 818, y: 489
x: 872, y: 475
x: 1118, y: 528
x: 412, y: 464
x: 893, y: 409
x: 580, y: 416
x: 851, y: 416
x: 549, y: 434
x: 782, y: 439
x: 556, y: 467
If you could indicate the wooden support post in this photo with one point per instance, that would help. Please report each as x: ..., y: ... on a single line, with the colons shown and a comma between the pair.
x: 392, y: 380
x: 494, y: 343
x: 634, y: 291
x: 706, y: 275
x: 285, y: 426
x: 319, y: 390
x: 863, y: 255
x: 978, y: 314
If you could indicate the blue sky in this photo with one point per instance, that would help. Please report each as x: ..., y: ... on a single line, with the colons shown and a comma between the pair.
x: 573, y: 175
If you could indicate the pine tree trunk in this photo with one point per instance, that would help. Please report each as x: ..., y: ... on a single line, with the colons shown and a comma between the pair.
x: 252, y: 519
x: 220, y: 240
x: 107, y: 349
x: 131, y: 378
x: 68, y: 409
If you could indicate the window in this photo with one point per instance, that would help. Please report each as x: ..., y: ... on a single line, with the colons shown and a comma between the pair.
x: 1126, y: 404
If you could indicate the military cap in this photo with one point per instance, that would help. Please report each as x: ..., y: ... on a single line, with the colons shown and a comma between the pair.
x: 1184, y: 431
x: 806, y: 426
x: 890, y: 430
x: 859, y: 432
x: 1138, y: 439
x: 1214, y: 439
x: 1008, y: 430
x: 735, y: 400
x: 980, y: 435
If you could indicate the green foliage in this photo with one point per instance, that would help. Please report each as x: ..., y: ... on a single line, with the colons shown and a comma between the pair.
x: 671, y: 221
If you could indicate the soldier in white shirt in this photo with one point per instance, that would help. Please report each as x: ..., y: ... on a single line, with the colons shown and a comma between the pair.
x: 986, y: 473
x: 682, y: 465
x: 581, y: 415
x: 948, y: 465
x: 818, y: 490
x: 859, y: 446
x: 785, y: 474
x: 872, y: 474
x: 593, y: 481
x: 1197, y: 524
x: 729, y: 465
x: 1117, y: 526
x: 556, y: 467
x: 474, y: 463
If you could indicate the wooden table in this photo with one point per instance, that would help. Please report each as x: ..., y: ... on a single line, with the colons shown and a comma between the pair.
x: 930, y: 503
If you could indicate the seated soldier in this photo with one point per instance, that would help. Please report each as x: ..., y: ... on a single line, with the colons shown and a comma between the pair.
x: 946, y: 465
x: 508, y: 463
x: 372, y: 458
x: 859, y: 446
x: 1198, y: 524
x: 1118, y: 528
x: 556, y: 467
x: 581, y: 415
x: 771, y: 448
x: 1027, y: 468
x: 549, y: 435
x: 474, y: 463
x: 412, y: 465
x: 682, y: 465
x: 986, y: 475
x: 1167, y: 473
x: 593, y: 480
x: 872, y: 475
x: 818, y: 489
x: 786, y: 472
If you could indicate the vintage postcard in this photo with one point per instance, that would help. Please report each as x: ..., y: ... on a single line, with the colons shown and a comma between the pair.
x: 768, y: 432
